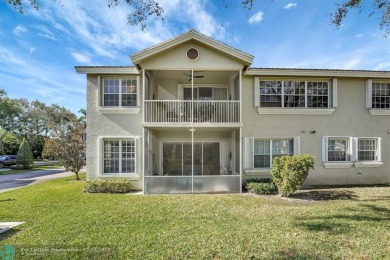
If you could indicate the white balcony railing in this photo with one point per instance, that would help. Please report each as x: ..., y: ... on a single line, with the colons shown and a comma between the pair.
x: 187, y: 111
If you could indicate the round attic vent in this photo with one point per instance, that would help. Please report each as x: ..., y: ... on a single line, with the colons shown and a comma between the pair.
x: 192, y: 54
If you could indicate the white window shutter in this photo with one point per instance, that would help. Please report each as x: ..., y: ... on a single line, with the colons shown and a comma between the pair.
x: 334, y: 92
x: 138, y: 91
x: 354, y: 149
x: 100, y: 146
x: 257, y: 92
x: 324, y: 148
x: 350, y: 149
x: 379, y: 149
x: 100, y: 91
x: 248, y: 152
x: 297, y: 145
x: 138, y: 154
x: 369, y: 93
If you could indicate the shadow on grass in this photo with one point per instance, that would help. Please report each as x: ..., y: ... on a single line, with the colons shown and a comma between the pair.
x: 9, y: 233
x: 325, y: 195
x: 340, y: 223
x: 7, y: 200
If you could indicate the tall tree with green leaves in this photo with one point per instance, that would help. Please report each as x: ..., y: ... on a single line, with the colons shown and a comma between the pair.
x: 11, y: 144
x: 25, y: 158
x: 68, y: 148
x: 2, y: 134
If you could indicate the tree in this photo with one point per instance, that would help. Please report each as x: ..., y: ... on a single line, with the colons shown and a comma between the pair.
x: 382, y: 7
x: 49, y: 149
x: 11, y: 144
x: 143, y: 9
x: 69, y: 148
x: 34, y: 120
x: 2, y: 134
x: 25, y: 158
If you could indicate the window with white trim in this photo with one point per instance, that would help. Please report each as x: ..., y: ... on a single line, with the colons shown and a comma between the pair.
x: 338, y: 149
x: 119, y: 156
x: 380, y: 95
x: 351, y: 149
x: 120, y: 92
x: 367, y: 149
x: 265, y: 150
x: 294, y: 93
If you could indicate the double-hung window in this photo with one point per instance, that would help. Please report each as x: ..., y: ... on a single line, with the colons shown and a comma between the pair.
x: 265, y: 150
x: 338, y: 149
x: 343, y: 152
x: 378, y: 97
x: 119, y: 156
x: 120, y: 92
x: 367, y: 149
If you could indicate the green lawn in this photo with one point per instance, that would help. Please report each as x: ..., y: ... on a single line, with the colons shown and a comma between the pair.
x: 351, y: 223
x: 35, y: 168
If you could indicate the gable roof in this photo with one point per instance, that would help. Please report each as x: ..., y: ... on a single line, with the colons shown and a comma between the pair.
x: 192, y: 35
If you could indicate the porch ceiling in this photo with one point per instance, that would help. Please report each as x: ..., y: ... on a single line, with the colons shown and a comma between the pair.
x: 208, y: 75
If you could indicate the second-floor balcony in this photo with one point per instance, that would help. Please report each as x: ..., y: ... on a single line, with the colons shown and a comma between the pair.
x: 186, y: 112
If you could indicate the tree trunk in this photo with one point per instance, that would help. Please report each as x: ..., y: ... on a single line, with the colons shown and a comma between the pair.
x: 77, y: 176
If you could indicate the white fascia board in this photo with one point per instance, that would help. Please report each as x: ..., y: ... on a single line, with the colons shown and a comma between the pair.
x: 191, y: 35
x: 317, y: 73
x: 106, y: 70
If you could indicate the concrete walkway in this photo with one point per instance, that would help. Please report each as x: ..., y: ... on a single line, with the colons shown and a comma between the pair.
x: 20, y: 180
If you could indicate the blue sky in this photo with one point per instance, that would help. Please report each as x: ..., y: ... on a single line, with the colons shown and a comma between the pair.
x: 38, y: 50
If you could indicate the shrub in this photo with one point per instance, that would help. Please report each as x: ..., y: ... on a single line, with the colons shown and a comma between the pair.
x: 289, y: 172
x: 259, y: 180
x: 25, y: 158
x: 261, y: 188
x: 107, y: 186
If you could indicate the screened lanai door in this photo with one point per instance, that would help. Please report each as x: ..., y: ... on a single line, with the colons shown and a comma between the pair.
x: 203, y: 171
x: 177, y: 159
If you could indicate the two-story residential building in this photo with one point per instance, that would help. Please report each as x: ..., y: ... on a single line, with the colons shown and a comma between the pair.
x: 192, y: 116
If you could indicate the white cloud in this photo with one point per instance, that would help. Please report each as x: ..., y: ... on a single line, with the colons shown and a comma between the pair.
x: 290, y: 5
x: 32, y: 50
x: 256, y: 18
x: 107, y: 34
x: 18, y: 30
x: 82, y: 58
x: 383, y: 66
x: 352, y: 63
x: 45, y: 32
x: 359, y: 35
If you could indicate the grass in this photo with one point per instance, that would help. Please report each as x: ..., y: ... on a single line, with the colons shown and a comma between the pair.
x: 35, y: 168
x: 344, y: 223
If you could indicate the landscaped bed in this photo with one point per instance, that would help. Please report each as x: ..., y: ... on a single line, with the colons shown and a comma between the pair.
x: 348, y: 223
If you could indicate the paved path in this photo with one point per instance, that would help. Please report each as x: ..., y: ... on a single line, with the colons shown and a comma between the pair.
x: 19, y: 180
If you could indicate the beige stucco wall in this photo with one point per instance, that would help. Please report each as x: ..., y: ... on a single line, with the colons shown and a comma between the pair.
x: 351, y: 118
x: 108, y: 126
